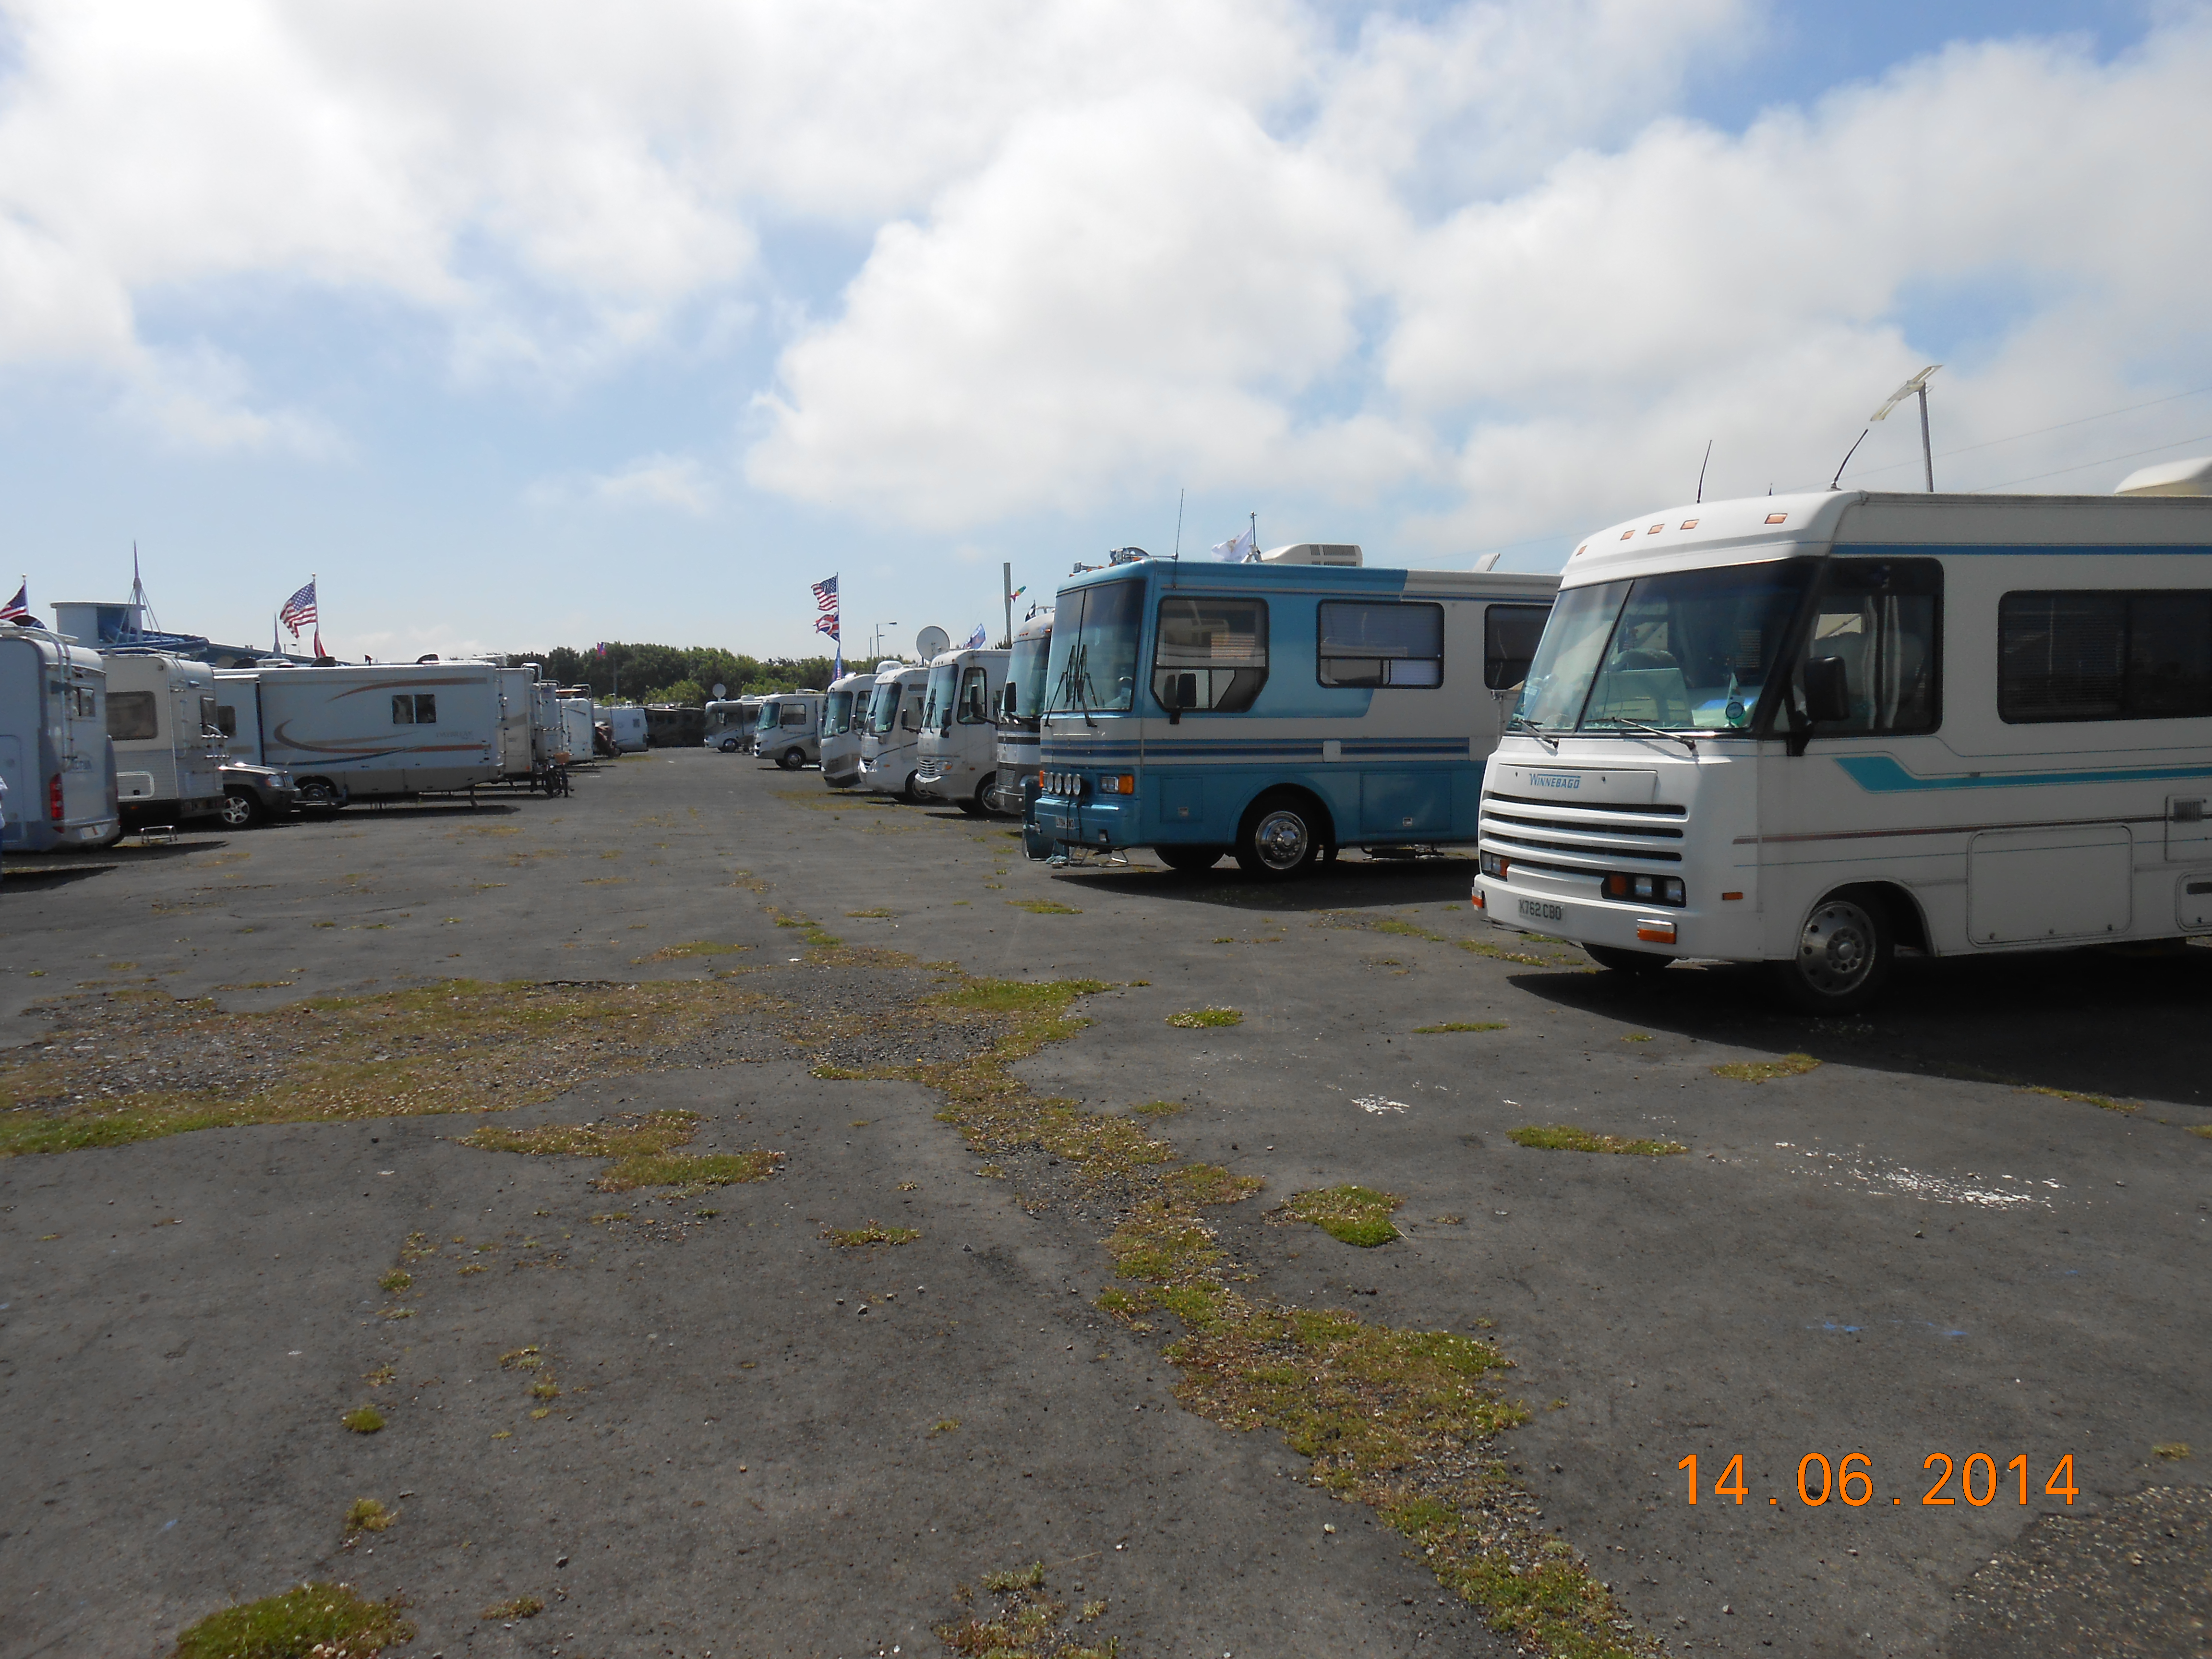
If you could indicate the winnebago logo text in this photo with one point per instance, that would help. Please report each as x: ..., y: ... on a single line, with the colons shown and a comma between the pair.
x: 1556, y: 779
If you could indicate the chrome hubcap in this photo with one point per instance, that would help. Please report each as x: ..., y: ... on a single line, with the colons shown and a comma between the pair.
x: 1836, y: 951
x: 234, y: 810
x: 1282, y: 840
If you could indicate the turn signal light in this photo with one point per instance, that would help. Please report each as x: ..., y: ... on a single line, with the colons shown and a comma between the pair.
x: 1655, y: 932
x: 1117, y: 783
x: 1493, y: 865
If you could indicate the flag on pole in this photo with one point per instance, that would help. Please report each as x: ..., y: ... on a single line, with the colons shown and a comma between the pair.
x: 827, y: 625
x: 976, y: 639
x: 825, y: 595
x: 18, y: 610
x: 1236, y: 550
x: 299, y: 609
x: 1018, y: 592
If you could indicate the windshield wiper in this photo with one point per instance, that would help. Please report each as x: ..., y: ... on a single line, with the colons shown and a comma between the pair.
x: 1534, y: 729
x: 1639, y: 725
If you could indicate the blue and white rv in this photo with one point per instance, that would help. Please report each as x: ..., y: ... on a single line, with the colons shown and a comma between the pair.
x: 1276, y: 711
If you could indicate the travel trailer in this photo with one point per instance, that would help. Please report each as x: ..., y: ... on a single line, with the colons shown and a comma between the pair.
x: 730, y: 723
x: 888, y: 757
x: 1279, y: 712
x: 625, y: 722
x: 1021, y: 704
x: 1813, y: 731
x: 844, y: 717
x: 54, y: 748
x: 956, y: 754
x: 789, y: 731
x: 169, y: 748
x: 363, y: 732
x: 577, y: 745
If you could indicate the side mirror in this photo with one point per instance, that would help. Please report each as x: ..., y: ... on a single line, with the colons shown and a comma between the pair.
x: 1181, y: 693
x: 910, y: 721
x: 1827, y: 690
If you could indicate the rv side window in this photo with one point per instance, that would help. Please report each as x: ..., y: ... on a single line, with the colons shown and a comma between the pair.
x: 1883, y: 619
x: 1212, y: 654
x: 131, y: 715
x: 1391, y: 643
x: 414, y: 710
x: 1509, y: 633
x: 225, y: 719
x: 2104, y: 656
x: 975, y: 696
x: 208, y: 716
x: 794, y: 714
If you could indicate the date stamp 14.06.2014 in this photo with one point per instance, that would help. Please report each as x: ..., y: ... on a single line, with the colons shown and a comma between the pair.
x: 1851, y: 1480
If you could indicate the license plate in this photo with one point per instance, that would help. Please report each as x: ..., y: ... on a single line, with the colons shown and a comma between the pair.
x: 1539, y: 910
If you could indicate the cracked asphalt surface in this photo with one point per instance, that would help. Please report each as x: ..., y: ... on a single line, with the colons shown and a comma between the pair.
x: 1933, y: 1244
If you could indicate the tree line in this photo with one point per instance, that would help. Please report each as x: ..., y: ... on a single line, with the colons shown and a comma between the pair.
x: 681, y: 674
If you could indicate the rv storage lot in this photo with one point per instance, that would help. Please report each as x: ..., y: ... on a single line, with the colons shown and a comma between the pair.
x: 1901, y: 1251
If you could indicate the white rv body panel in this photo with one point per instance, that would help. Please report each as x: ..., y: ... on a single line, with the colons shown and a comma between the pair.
x: 2044, y: 777
x: 517, y: 697
x: 627, y: 721
x: 957, y: 750
x: 339, y: 730
x: 54, y: 749
x: 575, y: 731
x: 168, y: 748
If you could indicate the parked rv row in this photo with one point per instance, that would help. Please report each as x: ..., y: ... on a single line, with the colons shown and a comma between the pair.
x: 94, y: 743
x: 1809, y: 731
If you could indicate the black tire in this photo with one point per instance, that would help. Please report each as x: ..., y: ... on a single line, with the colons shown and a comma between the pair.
x: 319, y: 795
x: 1189, y: 860
x: 728, y: 745
x: 908, y: 791
x: 792, y: 758
x: 1845, y: 951
x: 1636, y: 963
x: 1280, y: 839
x: 241, y: 809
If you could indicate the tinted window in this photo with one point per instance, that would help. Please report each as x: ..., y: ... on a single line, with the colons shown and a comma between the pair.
x: 1390, y: 643
x: 976, y: 697
x: 1883, y: 619
x: 1509, y: 633
x: 414, y: 710
x: 2104, y: 656
x: 1212, y: 654
x: 131, y: 715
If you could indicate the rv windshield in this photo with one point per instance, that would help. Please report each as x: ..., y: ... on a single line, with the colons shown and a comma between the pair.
x: 1689, y: 651
x: 885, y: 715
x: 1025, y: 673
x: 1093, y: 667
x: 944, y: 688
x: 837, y: 715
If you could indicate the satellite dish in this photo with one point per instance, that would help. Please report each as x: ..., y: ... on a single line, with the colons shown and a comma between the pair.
x: 720, y: 690
x: 931, y: 642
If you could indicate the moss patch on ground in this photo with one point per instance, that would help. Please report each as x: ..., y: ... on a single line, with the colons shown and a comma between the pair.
x: 641, y: 1147
x: 1020, y: 1619
x: 1351, y: 1215
x: 328, y: 1621
x: 869, y: 1232
x: 155, y: 1066
x: 1192, y: 1019
x: 1567, y: 1138
x: 1765, y: 1071
x: 1459, y: 1025
x: 1044, y: 906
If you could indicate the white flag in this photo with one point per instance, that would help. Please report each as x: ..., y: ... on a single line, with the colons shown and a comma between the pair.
x: 1236, y: 552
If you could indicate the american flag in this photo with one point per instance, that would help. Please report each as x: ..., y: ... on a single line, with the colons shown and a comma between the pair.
x: 299, y: 609
x: 19, y: 608
x: 825, y: 595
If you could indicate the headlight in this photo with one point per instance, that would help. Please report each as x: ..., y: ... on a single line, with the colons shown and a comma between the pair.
x: 1651, y: 889
x: 1118, y: 783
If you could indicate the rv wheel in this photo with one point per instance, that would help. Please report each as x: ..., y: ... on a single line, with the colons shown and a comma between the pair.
x: 728, y: 745
x: 1189, y: 860
x: 792, y: 758
x: 321, y: 795
x: 241, y: 810
x: 1279, y: 840
x: 1844, y: 954
x: 973, y: 805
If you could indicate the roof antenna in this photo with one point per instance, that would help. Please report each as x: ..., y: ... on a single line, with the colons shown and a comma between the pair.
x: 1702, y: 465
x: 1180, y: 493
x: 1841, y: 465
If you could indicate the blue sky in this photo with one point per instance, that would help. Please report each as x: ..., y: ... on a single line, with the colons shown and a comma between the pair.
x: 525, y: 332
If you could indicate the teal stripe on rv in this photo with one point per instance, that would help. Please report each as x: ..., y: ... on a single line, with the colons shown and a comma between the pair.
x: 1881, y: 775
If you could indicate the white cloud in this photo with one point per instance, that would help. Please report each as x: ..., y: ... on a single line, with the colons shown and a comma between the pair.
x: 678, y: 482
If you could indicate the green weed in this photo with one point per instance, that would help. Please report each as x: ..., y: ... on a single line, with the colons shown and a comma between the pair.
x: 363, y: 1419
x: 1566, y: 1138
x: 1351, y: 1215
x: 1196, y: 1018
x: 1457, y: 1025
x: 1765, y: 1071
x: 870, y: 1233
x: 328, y: 1621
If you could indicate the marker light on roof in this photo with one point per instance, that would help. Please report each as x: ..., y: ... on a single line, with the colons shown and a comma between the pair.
x: 1655, y: 529
x: 1776, y: 518
x: 1689, y: 524
x: 1626, y: 534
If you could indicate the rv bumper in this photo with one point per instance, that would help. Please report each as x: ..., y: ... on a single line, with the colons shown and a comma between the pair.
x: 1088, y: 822
x: 1581, y: 918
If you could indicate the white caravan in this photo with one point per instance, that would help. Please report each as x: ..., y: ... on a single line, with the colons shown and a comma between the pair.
x: 1021, y: 705
x: 54, y: 749
x: 888, y: 757
x: 789, y: 730
x: 844, y: 717
x: 548, y: 725
x: 360, y: 732
x: 730, y: 723
x: 957, y: 754
x: 577, y: 747
x: 518, y: 700
x: 1810, y: 731
x: 169, y: 745
x: 626, y: 722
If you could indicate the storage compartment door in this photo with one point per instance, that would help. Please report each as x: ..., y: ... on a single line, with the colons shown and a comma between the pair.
x: 1410, y: 804
x: 2055, y: 885
x: 2193, y: 903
